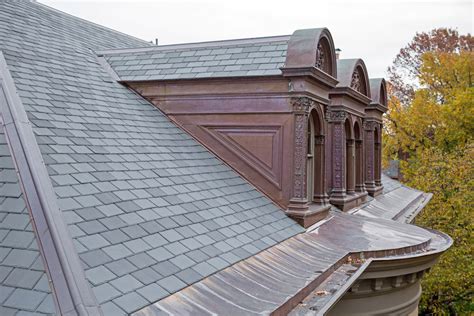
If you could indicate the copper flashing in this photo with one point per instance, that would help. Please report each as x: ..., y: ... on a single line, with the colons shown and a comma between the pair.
x: 106, y: 66
x: 279, y: 278
x: 70, y: 289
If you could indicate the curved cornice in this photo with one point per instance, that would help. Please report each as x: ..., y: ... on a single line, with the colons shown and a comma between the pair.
x: 345, y: 69
x: 378, y: 101
x: 302, y: 52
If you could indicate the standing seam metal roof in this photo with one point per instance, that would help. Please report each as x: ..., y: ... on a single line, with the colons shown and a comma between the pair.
x: 150, y: 210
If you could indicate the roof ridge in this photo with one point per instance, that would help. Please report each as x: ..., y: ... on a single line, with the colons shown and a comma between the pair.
x: 249, y: 40
x: 87, y: 21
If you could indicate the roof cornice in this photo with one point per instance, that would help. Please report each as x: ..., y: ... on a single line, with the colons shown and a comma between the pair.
x: 355, y: 95
x: 311, y: 72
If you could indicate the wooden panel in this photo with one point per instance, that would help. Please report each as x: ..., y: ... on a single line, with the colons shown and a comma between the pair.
x: 260, y: 147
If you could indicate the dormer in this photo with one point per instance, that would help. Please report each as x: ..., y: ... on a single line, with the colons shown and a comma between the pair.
x: 373, y: 135
x: 259, y: 104
x: 346, y: 116
x: 311, y: 54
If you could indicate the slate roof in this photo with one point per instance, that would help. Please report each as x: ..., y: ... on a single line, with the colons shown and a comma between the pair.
x: 150, y: 210
x: 23, y: 281
x: 232, y: 58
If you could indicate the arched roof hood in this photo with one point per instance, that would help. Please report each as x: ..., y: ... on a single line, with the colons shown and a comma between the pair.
x: 346, y: 72
x: 378, y: 90
x: 312, y: 52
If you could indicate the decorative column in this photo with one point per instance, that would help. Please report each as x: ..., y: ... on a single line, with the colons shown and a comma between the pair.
x: 369, y: 127
x: 350, y: 172
x: 378, y: 159
x: 320, y: 195
x: 336, y: 120
x: 359, y: 186
x: 301, y: 107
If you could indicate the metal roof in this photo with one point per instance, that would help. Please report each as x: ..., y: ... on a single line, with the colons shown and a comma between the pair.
x: 271, y: 280
x: 398, y: 202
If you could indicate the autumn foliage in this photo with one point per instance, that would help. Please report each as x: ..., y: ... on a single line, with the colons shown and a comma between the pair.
x: 430, y: 129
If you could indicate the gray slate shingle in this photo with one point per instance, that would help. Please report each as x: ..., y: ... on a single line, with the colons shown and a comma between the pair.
x: 232, y: 58
x: 124, y: 174
x: 21, y: 290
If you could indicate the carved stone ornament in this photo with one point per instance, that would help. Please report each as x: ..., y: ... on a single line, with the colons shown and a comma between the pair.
x: 356, y: 81
x: 336, y: 116
x: 302, y: 104
x: 320, y: 58
x: 369, y: 125
x: 301, y: 126
x: 319, y: 139
x: 338, y: 153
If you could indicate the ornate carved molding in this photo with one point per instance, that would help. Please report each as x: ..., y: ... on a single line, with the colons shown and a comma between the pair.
x: 369, y: 125
x: 299, y: 186
x: 319, y: 139
x: 302, y: 105
x: 321, y: 58
x: 336, y: 116
x: 356, y: 81
x: 338, y: 153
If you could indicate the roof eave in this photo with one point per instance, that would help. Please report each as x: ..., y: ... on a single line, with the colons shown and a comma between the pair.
x: 353, y: 94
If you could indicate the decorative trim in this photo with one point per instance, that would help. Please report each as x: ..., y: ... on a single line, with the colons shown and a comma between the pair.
x: 320, y: 58
x: 301, y: 127
x: 369, y: 125
x: 356, y: 81
x: 302, y: 105
x: 223, y: 134
x: 319, y: 139
x: 71, y: 291
x: 336, y: 116
x: 369, y: 153
x: 338, y: 154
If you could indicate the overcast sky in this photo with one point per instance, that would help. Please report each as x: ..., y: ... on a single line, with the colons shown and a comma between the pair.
x: 374, y: 30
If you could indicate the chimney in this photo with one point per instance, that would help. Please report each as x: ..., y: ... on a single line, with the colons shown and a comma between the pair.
x: 156, y: 41
x: 338, y: 53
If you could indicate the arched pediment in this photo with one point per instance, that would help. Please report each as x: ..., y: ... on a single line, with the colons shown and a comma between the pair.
x: 312, y: 48
x: 379, y: 91
x: 352, y: 73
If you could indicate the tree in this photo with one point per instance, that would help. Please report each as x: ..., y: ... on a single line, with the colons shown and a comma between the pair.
x: 432, y: 132
x: 404, y: 72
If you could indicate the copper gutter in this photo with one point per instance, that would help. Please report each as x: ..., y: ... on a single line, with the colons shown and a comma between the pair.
x: 71, y: 291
